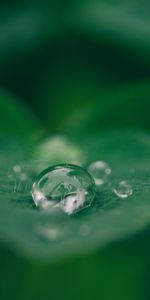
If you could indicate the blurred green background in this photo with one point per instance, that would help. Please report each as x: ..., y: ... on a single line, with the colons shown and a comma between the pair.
x: 76, y: 68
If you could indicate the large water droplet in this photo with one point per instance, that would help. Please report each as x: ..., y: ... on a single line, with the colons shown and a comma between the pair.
x: 100, y: 172
x: 67, y: 187
x: 123, y: 189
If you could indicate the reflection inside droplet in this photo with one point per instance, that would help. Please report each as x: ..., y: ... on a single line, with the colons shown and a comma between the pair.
x: 68, y: 187
x: 100, y: 172
x: 72, y: 202
x: 123, y: 189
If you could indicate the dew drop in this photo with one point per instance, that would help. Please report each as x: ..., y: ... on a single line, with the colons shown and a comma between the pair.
x: 100, y: 172
x: 123, y: 189
x: 17, y: 168
x: 67, y: 187
x: 19, y: 172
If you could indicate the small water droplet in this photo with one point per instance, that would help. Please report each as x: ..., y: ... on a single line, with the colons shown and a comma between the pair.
x: 100, y: 172
x: 17, y: 168
x: 123, y: 189
x: 67, y: 187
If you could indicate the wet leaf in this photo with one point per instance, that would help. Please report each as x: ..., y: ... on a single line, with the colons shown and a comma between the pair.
x: 50, y: 236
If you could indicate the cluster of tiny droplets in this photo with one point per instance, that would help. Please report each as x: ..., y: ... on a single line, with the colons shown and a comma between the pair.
x: 101, y: 172
x: 18, y: 179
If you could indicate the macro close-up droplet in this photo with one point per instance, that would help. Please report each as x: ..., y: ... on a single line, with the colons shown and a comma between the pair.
x: 123, y: 189
x: 100, y: 172
x: 67, y: 187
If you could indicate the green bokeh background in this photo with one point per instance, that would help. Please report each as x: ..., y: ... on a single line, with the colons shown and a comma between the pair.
x: 75, y: 68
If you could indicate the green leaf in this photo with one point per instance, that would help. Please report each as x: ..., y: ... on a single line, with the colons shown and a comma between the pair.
x: 126, y: 106
x: 50, y: 236
x: 126, y: 24
x: 27, y: 29
x: 93, y: 105
x: 26, y: 26
x: 15, y: 118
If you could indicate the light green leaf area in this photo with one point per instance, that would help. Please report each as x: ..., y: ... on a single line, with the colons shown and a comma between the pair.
x: 54, y: 236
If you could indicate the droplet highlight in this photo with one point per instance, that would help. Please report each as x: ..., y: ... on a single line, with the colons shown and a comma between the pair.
x: 123, y: 189
x: 100, y: 172
x: 66, y: 186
